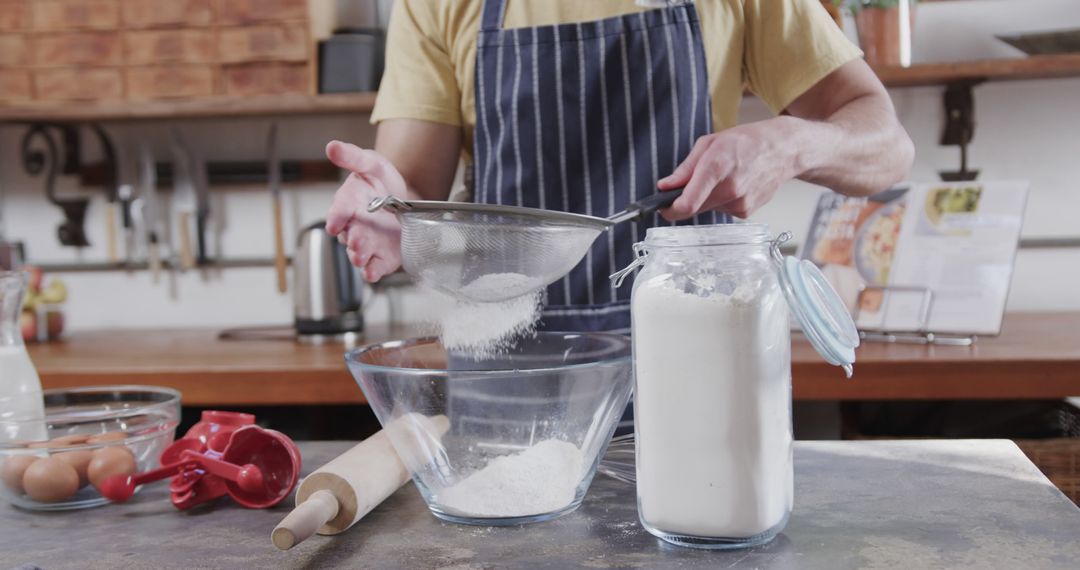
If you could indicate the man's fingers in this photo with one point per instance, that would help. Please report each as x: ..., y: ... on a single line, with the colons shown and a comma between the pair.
x: 344, y: 207
x: 336, y: 220
x: 740, y: 207
x: 356, y: 258
x: 354, y: 239
x: 707, y: 176
x: 368, y: 165
x: 682, y: 173
x: 377, y: 268
x: 355, y: 159
x: 686, y: 206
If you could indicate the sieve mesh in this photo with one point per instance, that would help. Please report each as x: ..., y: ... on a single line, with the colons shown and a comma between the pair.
x: 452, y: 249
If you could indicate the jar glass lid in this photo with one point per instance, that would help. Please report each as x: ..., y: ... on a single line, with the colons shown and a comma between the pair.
x: 819, y: 310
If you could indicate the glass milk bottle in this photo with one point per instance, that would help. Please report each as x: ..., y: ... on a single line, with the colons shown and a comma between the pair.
x: 712, y: 365
x: 20, y: 388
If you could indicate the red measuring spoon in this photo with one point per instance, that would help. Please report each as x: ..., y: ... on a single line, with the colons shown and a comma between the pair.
x: 248, y: 477
x: 120, y: 488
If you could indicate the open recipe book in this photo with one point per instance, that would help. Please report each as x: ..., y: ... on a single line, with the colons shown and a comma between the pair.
x: 921, y: 258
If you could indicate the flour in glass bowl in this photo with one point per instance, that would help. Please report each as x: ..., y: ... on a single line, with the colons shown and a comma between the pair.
x: 542, y: 479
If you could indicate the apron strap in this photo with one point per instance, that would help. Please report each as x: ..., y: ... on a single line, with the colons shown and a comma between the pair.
x: 493, y: 16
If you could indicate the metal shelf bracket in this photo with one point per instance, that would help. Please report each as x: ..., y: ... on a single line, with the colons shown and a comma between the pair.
x: 959, y: 101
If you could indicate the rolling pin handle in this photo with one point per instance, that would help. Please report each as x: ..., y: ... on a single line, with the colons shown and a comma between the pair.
x: 307, y: 518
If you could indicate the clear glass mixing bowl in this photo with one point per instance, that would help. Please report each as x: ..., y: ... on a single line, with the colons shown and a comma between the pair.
x: 511, y: 439
x: 83, y: 421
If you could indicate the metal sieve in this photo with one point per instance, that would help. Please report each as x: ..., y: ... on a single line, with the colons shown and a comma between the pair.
x: 489, y: 253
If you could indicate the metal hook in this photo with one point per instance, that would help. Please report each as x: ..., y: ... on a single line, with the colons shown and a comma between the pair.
x: 390, y: 202
x: 71, y: 232
x: 640, y: 255
x: 774, y: 246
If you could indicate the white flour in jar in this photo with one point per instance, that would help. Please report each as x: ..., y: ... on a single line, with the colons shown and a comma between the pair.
x: 541, y: 479
x: 712, y: 410
x: 481, y: 330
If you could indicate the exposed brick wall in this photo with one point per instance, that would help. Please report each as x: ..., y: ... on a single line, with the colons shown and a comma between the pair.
x: 149, y: 49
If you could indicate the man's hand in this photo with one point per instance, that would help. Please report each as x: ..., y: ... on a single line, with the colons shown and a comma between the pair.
x: 842, y: 133
x: 412, y: 160
x: 373, y: 239
x: 734, y: 171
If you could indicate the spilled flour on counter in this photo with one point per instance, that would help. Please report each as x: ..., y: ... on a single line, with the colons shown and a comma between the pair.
x: 541, y: 479
x: 482, y: 330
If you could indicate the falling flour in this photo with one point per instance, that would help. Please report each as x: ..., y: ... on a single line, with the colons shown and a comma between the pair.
x: 485, y: 329
x: 541, y: 479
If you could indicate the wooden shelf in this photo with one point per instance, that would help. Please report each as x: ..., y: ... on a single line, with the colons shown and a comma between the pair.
x: 215, y: 107
x: 1033, y: 67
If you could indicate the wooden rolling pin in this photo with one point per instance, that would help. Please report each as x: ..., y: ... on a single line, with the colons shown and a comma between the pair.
x: 338, y: 494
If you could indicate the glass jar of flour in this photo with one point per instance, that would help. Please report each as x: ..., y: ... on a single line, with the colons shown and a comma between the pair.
x: 712, y: 365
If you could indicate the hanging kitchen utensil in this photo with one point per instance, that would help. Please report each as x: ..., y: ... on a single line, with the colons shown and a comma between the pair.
x: 72, y: 231
x: 273, y: 162
x: 153, y: 224
x: 202, y: 204
x: 126, y: 173
x: 120, y: 193
x: 450, y: 245
x: 183, y: 197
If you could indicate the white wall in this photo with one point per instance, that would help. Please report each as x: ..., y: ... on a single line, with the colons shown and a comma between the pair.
x: 1026, y: 130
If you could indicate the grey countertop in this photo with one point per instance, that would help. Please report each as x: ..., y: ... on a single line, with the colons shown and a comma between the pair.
x: 880, y: 504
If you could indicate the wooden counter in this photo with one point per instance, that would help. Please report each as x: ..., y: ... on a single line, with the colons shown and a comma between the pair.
x: 1037, y: 356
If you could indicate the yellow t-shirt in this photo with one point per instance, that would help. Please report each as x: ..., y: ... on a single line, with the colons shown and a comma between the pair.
x: 776, y: 48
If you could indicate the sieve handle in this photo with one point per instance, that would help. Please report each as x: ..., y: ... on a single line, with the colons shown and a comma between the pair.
x: 646, y: 206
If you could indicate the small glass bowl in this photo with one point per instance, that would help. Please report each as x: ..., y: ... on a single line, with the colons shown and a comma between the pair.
x: 553, y: 401
x: 141, y: 418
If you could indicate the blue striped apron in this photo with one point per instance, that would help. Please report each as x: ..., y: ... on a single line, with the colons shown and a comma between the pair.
x: 586, y: 117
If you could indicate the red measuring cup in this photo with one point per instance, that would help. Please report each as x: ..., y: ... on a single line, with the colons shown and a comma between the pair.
x: 270, y: 453
x: 260, y: 467
x: 192, y: 487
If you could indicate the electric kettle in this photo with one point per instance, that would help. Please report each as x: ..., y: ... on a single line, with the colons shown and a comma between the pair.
x: 327, y: 290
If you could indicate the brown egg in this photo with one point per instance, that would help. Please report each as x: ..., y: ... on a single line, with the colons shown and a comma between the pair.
x: 109, y: 461
x: 49, y: 480
x: 107, y: 437
x: 68, y: 440
x: 80, y: 460
x: 12, y: 471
